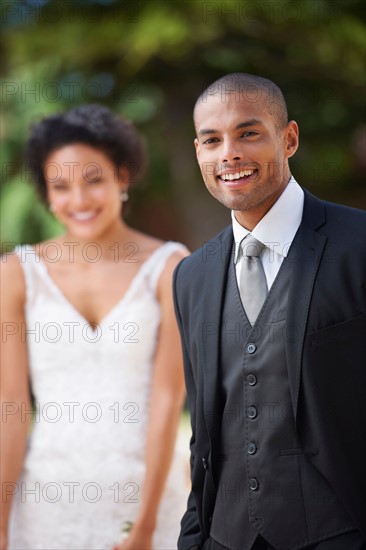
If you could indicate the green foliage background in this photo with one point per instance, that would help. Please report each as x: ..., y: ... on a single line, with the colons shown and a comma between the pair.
x: 149, y: 60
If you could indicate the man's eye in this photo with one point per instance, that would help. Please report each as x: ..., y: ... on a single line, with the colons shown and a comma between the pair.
x: 209, y: 141
x: 249, y: 134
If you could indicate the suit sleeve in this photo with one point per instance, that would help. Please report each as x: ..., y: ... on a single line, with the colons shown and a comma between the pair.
x: 190, y: 534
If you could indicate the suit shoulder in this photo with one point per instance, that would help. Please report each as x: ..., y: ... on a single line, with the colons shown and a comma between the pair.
x: 196, y: 265
x: 345, y: 222
x: 345, y: 228
x: 332, y: 214
x: 344, y: 214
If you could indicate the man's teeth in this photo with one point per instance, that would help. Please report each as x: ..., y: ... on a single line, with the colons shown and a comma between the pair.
x: 237, y: 175
x: 82, y: 216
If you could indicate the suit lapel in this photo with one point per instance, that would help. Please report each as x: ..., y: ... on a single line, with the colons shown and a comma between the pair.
x: 219, y: 253
x: 305, y: 253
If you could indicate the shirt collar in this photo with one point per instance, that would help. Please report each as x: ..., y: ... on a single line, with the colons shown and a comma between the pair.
x: 278, y: 227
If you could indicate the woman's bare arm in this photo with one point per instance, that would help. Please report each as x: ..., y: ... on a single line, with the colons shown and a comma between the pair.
x: 14, y: 384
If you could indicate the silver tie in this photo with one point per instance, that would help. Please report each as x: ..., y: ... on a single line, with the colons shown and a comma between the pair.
x: 253, y: 284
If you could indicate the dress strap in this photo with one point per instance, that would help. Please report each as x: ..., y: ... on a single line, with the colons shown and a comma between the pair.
x: 28, y: 259
x: 159, y: 259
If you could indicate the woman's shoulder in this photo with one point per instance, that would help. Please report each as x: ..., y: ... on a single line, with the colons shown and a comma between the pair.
x: 172, y: 253
x: 37, y: 251
x: 51, y: 247
x: 160, y: 258
x: 148, y: 245
x: 13, y: 286
x: 16, y: 270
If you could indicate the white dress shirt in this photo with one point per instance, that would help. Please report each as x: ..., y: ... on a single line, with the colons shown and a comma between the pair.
x: 276, y: 230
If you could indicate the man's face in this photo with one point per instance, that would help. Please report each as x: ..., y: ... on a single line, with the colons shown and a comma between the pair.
x: 242, y: 153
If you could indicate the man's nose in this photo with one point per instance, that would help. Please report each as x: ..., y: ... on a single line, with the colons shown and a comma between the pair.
x: 231, y: 151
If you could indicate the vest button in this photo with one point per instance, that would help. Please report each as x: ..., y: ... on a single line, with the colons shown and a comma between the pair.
x: 251, y: 412
x: 251, y: 348
x: 253, y: 484
x: 252, y: 447
x: 251, y: 379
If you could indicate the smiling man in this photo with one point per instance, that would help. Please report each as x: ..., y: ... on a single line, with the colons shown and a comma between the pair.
x: 272, y: 319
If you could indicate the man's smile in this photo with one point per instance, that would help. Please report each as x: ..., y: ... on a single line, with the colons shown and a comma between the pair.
x: 233, y: 180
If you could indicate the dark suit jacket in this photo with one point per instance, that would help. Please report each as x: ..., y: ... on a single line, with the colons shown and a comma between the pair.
x: 325, y: 348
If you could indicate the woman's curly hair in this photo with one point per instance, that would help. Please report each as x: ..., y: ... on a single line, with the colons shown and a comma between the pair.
x: 93, y: 125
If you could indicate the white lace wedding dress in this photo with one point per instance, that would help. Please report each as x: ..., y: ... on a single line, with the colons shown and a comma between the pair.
x: 84, y: 469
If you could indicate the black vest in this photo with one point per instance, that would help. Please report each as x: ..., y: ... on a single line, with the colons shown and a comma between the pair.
x: 266, y: 484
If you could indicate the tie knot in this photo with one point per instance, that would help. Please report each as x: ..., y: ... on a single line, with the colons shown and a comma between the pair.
x: 251, y: 247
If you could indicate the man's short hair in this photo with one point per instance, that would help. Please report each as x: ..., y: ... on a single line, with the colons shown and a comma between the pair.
x: 251, y: 87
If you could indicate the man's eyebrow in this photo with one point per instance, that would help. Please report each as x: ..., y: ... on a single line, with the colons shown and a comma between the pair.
x: 246, y: 124
x: 206, y: 131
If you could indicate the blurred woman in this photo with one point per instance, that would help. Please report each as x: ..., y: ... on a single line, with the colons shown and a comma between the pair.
x: 89, y: 322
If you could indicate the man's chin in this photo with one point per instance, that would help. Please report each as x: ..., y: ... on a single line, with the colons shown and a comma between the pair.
x: 232, y: 201
x: 235, y: 204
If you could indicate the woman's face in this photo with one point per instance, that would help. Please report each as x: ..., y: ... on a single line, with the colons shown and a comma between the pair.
x: 83, y: 190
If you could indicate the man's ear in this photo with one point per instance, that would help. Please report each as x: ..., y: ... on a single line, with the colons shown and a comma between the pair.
x: 197, y: 146
x: 292, y: 138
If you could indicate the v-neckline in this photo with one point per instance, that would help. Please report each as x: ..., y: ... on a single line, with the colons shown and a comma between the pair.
x: 122, y: 300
